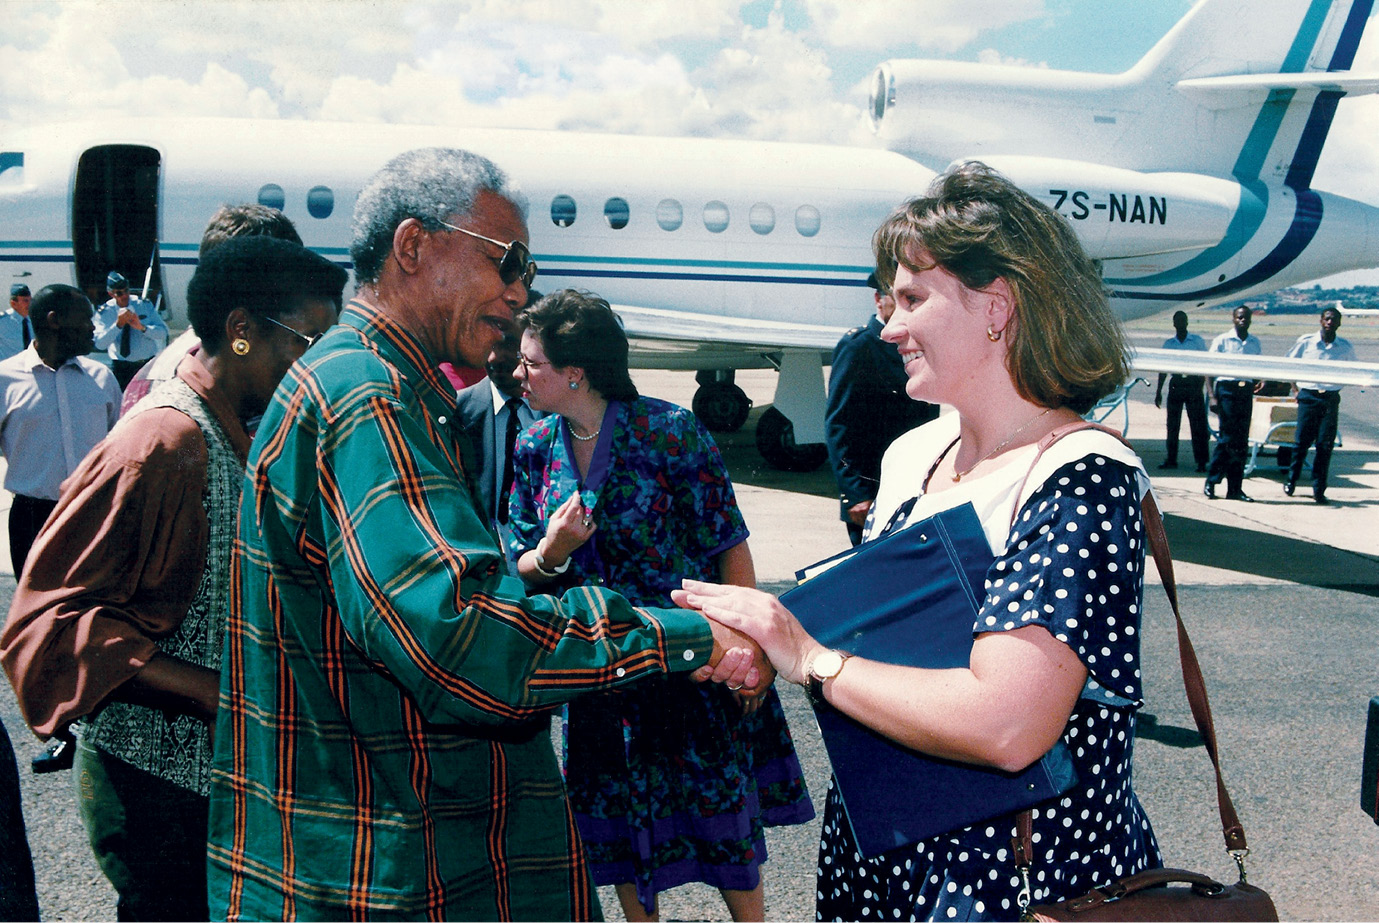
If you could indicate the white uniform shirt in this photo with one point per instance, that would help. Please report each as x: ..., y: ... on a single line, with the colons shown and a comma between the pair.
x: 1231, y: 344
x: 12, y: 325
x: 1312, y: 346
x: 143, y: 344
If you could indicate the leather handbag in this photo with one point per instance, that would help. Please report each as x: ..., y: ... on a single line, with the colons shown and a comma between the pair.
x: 1158, y: 894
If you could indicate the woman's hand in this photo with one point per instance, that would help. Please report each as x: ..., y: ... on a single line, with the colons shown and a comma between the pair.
x: 570, y: 527
x: 758, y: 615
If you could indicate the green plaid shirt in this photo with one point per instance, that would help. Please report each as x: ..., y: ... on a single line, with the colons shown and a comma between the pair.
x: 383, y: 747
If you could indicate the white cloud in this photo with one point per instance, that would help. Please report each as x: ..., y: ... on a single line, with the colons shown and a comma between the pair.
x: 936, y: 25
x: 992, y: 56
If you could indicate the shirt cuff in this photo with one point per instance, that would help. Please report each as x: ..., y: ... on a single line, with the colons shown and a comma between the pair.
x: 688, y: 639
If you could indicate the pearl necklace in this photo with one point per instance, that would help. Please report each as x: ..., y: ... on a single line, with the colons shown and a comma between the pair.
x: 959, y: 475
x: 578, y: 437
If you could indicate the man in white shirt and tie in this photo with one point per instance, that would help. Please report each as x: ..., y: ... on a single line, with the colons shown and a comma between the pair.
x: 129, y: 329
x: 1319, y: 403
x: 493, y: 412
x: 16, y: 331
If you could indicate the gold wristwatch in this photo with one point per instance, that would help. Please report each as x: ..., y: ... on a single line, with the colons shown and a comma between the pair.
x: 824, y: 666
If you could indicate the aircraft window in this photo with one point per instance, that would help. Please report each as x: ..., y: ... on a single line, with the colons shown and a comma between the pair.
x: 562, y: 211
x: 716, y: 217
x: 616, y: 213
x: 271, y: 196
x: 670, y: 215
x: 320, y: 201
x: 807, y: 220
x: 762, y: 218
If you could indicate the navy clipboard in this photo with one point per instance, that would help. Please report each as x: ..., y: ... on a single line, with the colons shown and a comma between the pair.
x: 911, y: 598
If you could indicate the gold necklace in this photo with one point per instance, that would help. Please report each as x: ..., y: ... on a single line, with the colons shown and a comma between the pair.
x: 959, y: 475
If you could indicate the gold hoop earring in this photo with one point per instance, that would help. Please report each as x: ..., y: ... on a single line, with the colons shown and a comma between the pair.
x: 240, y: 346
x: 993, y: 334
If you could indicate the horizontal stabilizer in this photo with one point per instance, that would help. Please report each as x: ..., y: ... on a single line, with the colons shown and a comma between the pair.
x: 1269, y: 368
x: 1252, y: 89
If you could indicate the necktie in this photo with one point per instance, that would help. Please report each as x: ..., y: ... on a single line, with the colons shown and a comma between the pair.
x: 24, y: 329
x: 508, y: 470
x: 125, y: 335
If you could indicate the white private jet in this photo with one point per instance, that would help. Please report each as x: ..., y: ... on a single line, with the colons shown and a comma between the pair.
x: 1188, y: 177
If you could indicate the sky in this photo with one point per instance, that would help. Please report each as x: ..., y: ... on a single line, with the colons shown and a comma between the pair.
x: 788, y: 70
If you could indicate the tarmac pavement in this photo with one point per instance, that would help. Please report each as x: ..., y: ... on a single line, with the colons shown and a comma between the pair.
x: 1280, y: 596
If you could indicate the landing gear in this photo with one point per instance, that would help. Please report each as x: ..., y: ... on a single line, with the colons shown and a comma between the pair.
x: 776, y: 442
x: 719, y: 404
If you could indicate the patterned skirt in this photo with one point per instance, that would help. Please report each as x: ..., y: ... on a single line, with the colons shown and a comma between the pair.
x: 671, y: 783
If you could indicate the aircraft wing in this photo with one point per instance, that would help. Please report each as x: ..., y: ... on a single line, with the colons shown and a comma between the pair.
x: 679, y: 339
x: 1270, y: 368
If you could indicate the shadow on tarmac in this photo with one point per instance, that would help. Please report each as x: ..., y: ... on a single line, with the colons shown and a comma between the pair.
x: 1279, y: 557
x: 1147, y: 727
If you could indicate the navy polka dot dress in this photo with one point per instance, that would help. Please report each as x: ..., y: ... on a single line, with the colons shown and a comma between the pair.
x: 1074, y: 564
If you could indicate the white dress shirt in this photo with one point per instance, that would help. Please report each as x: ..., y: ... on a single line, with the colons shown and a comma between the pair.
x: 50, y: 419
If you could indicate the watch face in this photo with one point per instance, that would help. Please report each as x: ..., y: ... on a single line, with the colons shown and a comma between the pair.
x: 826, y: 664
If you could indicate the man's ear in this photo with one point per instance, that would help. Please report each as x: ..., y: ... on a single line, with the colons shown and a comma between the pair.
x: 407, y: 239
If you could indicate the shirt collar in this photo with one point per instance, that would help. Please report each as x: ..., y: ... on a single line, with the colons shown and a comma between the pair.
x: 401, y: 347
x: 500, y: 400
x: 33, y: 361
x: 194, y: 373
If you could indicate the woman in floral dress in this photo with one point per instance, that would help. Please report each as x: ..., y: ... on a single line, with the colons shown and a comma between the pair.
x: 671, y: 782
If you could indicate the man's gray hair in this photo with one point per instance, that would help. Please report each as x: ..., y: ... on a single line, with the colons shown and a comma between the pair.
x: 430, y: 184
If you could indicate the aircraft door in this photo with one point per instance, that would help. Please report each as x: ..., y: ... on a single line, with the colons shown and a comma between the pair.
x: 115, y: 218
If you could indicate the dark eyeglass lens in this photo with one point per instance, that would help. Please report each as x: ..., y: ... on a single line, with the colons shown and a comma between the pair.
x: 517, y: 264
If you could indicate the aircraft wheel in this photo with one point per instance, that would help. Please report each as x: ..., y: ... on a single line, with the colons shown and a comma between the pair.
x: 722, y: 406
x: 776, y: 443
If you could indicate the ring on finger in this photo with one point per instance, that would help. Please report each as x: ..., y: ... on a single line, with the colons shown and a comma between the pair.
x: 588, y: 521
x: 735, y: 688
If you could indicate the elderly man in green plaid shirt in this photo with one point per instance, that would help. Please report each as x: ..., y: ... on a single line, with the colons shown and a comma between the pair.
x: 382, y: 744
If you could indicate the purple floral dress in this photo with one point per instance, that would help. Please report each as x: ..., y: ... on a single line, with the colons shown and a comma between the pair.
x: 670, y: 783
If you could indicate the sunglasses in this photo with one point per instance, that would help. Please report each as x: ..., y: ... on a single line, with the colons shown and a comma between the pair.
x: 309, y: 341
x: 515, y: 263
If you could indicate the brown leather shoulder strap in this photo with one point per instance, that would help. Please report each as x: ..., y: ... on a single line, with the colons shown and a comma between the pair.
x: 1193, y: 683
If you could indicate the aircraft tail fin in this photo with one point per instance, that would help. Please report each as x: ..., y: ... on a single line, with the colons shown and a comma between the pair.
x: 1265, y: 79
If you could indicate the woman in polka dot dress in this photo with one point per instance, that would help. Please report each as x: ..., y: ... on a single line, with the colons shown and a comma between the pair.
x: 1001, y: 316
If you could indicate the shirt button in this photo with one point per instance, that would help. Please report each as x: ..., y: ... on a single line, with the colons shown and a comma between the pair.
x: 689, y: 655
x: 441, y: 420
x: 620, y: 671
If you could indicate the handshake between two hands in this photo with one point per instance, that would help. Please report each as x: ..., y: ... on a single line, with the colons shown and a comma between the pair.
x: 753, y: 637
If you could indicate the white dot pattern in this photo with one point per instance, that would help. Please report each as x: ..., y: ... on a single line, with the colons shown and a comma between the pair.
x: 1074, y: 564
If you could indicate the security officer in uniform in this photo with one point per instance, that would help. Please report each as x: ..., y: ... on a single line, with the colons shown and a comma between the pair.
x: 1234, y: 400
x: 129, y: 329
x: 867, y: 409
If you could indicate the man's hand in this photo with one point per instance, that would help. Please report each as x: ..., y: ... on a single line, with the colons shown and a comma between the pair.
x: 128, y: 317
x: 738, y: 662
x: 857, y: 513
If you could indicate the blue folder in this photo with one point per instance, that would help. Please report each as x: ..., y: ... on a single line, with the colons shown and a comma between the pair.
x: 911, y: 598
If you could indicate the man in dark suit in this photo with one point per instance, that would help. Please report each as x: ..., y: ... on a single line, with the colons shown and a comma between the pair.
x: 493, y: 412
x: 867, y: 409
